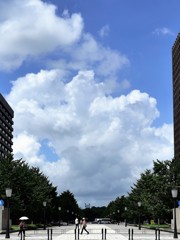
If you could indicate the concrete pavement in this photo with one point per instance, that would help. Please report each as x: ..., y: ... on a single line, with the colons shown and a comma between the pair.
x: 113, y: 232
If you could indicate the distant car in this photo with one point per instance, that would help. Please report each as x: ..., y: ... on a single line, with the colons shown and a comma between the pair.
x: 105, y: 222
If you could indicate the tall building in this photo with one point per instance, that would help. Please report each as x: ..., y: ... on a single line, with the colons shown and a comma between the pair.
x: 176, y: 94
x: 6, y: 128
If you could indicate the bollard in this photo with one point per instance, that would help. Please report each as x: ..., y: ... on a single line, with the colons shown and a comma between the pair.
x: 51, y: 233
x: 132, y: 234
x: 78, y: 233
x: 75, y: 233
x: 155, y: 233
x: 105, y: 234
x: 102, y: 233
x: 48, y: 233
x: 158, y: 234
x: 129, y: 233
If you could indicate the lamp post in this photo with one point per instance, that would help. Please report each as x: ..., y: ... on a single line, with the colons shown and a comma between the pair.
x: 139, y: 205
x: 118, y: 216
x: 174, y: 195
x: 67, y: 217
x: 125, y: 208
x: 8, y: 195
x: 44, y: 205
x: 59, y: 208
x: 72, y: 215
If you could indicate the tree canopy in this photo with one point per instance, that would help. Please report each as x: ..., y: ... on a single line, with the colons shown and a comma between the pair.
x: 30, y: 188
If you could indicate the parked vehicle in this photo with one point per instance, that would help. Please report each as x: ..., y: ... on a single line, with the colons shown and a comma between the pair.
x: 102, y: 220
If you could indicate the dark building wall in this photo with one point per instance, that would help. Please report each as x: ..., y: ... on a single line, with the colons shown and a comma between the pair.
x: 6, y: 128
x: 176, y: 94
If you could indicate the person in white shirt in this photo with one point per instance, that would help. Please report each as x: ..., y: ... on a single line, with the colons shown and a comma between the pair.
x: 77, y: 223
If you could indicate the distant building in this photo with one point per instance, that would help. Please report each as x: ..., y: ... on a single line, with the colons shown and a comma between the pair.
x: 6, y: 128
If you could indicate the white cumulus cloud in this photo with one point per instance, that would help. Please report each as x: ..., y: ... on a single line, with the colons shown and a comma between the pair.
x: 29, y: 28
x: 100, y: 141
x: 163, y: 31
x: 71, y: 117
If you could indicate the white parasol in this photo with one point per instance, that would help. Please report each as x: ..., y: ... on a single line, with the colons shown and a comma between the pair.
x: 23, y: 218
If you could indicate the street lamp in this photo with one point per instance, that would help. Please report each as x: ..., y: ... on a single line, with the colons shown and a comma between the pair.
x: 174, y: 195
x: 44, y: 204
x: 59, y: 208
x: 118, y: 216
x: 139, y: 205
x: 125, y: 208
x: 72, y: 215
x: 8, y: 195
x: 67, y: 217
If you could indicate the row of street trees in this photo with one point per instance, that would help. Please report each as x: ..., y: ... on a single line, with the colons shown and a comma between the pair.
x: 153, y: 190
x: 31, y: 188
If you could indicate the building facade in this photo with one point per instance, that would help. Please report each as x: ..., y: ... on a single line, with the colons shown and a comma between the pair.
x: 6, y: 128
x: 176, y: 94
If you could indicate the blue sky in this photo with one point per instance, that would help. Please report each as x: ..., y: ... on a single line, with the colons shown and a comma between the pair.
x: 90, y: 82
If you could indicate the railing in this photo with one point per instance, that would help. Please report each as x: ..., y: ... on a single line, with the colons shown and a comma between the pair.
x: 100, y: 233
x: 158, y: 233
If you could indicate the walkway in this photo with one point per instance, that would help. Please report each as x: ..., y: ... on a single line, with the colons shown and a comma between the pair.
x: 113, y: 232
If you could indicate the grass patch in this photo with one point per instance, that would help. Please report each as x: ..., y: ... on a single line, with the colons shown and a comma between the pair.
x: 153, y: 226
x: 28, y: 227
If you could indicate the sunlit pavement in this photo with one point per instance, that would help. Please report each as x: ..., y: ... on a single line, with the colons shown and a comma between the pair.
x: 113, y: 232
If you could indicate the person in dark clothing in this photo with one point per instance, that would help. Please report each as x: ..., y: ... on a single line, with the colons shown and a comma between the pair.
x: 22, y: 227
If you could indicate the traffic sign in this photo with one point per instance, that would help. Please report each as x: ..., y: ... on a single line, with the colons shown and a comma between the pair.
x: 1, y: 202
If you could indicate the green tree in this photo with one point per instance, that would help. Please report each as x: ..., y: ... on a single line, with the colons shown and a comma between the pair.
x: 69, y: 206
x: 30, y: 188
x: 116, y: 209
x: 153, y: 189
x: 93, y: 212
x: 174, y: 172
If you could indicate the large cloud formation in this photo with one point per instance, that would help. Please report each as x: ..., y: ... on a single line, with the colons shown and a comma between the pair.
x: 70, y: 118
x: 102, y: 142
x: 30, y: 28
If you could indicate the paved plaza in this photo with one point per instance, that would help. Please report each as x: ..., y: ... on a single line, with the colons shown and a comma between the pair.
x: 96, y: 232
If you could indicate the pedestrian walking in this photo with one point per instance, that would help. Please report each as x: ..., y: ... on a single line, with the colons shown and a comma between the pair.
x: 22, y: 227
x: 77, y: 223
x: 84, y: 225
